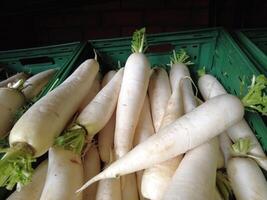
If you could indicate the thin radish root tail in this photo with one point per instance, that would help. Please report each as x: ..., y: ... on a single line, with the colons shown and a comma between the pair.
x: 201, y: 72
x: 191, y: 80
x: 180, y: 57
x: 139, y: 42
x: 256, y: 99
x: 98, y: 177
x: 15, y: 166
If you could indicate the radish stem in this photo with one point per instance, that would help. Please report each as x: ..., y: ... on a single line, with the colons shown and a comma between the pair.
x: 255, y: 99
x: 139, y: 42
x: 180, y: 57
x: 15, y: 166
x: 242, y: 147
x: 72, y: 139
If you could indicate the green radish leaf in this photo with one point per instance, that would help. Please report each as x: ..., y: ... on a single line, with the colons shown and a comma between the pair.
x: 139, y: 41
x: 256, y: 99
x: 180, y: 57
x: 241, y: 147
x: 16, y: 166
x: 72, y: 139
x: 201, y: 72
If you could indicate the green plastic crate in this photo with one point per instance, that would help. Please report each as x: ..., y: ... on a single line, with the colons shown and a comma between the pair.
x: 34, y: 60
x: 254, y: 43
x: 213, y: 48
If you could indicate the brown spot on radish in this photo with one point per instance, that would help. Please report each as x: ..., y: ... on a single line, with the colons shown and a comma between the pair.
x: 74, y: 161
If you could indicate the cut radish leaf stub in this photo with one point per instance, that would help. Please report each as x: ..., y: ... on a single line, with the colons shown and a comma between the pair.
x: 16, y: 166
x: 256, y: 98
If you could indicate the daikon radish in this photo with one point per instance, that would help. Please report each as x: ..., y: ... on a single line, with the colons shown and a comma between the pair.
x: 34, y: 85
x: 132, y: 95
x: 195, y: 177
x: 36, y: 130
x: 192, y: 129
x: 247, y: 179
x: 109, y: 189
x: 91, y: 165
x: 92, y: 93
x: 106, y: 135
x: 159, y: 93
x: 210, y: 87
x: 159, y: 176
x: 143, y: 131
x: 14, y: 78
x: 64, y: 175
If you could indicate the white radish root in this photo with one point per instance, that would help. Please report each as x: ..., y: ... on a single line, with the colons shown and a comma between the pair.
x: 185, y: 133
x: 159, y: 91
x: 91, y: 165
x: 64, y: 175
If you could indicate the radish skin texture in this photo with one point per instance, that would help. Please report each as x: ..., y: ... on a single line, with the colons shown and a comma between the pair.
x: 192, y: 129
x: 144, y: 127
x: 33, y: 190
x: 92, y: 167
x: 247, y: 180
x: 189, y: 99
x: 98, y: 112
x: 14, y: 78
x: 225, y: 146
x: 106, y: 135
x: 131, y: 98
x: 159, y: 176
x: 143, y: 131
x: 106, y: 139
x: 92, y: 92
x: 159, y: 91
x: 47, y: 118
x: 210, y: 87
x: 195, y: 177
x: 10, y: 101
x: 34, y: 85
x: 64, y: 175
x: 107, y: 78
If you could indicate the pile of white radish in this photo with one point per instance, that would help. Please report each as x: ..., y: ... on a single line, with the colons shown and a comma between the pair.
x: 16, y: 92
x: 138, y: 134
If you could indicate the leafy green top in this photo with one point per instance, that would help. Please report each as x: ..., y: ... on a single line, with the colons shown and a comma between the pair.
x: 256, y: 99
x: 180, y: 57
x: 139, y: 42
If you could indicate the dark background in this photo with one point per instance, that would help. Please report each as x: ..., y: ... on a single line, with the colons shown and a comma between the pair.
x: 29, y: 23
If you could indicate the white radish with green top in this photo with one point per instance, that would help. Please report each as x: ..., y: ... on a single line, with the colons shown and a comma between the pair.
x: 210, y: 87
x: 159, y: 176
x: 192, y: 129
x: 134, y: 86
x: 38, y: 127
